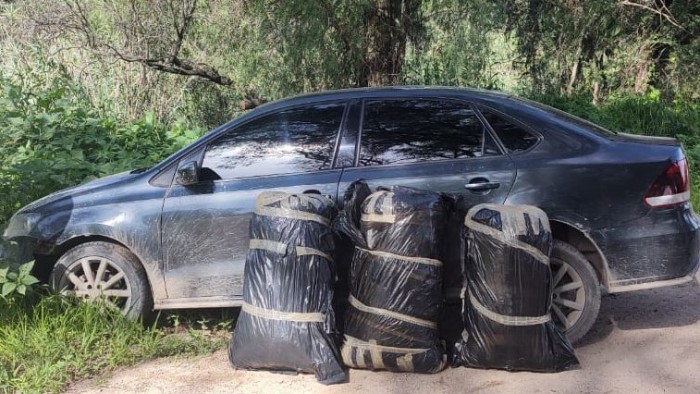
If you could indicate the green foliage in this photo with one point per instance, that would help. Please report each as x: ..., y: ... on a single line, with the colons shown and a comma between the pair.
x: 44, y: 346
x: 16, y: 283
x: 16, y: 279
x: 49, y: 341
x: 632, y: 113
x: 51, y: 139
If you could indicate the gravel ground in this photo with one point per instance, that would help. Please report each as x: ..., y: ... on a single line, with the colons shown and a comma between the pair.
x: 643, y: 342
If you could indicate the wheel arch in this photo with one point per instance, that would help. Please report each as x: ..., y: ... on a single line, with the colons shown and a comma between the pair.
x: 583, y: 243
x: 46, y: 263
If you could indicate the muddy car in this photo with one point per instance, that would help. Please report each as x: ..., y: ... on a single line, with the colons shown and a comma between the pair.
x: 176, y: 235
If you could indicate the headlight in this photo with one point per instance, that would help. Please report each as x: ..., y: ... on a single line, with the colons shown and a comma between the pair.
x: 22, y: 224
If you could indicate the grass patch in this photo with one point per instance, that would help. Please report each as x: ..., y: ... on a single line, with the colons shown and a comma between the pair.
x: 47, y: 342
x: 631, y: 113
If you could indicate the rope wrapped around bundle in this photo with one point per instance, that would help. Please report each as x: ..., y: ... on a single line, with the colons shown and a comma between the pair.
x: 287, y: 321
x: 396, y: 283
x: 508, y: 292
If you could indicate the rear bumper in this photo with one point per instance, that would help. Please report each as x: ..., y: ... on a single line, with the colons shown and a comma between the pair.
x: 659, y: 249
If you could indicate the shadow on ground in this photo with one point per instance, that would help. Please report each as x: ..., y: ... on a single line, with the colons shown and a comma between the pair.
x: 654, y: 308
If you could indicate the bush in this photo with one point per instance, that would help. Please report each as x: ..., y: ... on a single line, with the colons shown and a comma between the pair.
x: 51, y: 139
x: 16, y: 283
x: 631, y: 113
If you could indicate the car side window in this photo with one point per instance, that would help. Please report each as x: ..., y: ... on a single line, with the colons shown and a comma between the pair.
x: 292, y: 141
x: 513, y: 137
x: 408, y: 131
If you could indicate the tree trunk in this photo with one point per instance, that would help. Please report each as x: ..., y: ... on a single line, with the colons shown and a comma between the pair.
x: 531, y: 43
x: 641, y: 79
x: 387, y: 25
x: 575, y: 69
x: 596, y: 93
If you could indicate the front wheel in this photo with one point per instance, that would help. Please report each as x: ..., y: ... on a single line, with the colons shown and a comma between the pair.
x: 102, y: 270
x: 576, y: 291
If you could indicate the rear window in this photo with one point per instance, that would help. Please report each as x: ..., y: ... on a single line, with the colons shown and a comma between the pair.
x: 513, y: 137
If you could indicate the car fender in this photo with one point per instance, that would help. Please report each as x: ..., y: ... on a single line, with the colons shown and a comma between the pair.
x: 571, y: 228
x: 53, y: 231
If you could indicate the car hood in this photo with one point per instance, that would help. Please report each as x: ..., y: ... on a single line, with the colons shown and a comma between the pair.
x: 79, y: 190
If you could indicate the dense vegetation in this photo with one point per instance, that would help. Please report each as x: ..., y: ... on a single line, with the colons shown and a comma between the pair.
x: 89, y: 88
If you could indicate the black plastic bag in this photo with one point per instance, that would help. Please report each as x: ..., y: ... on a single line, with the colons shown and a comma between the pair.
x: 509, y: 292
x: 453, y: 253
x: 404, y: 221
x: 346, y: 227
x: 395, y: 282
x: 287, y: 321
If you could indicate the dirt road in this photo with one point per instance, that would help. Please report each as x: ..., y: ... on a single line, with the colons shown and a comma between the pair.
x: 643, y: 342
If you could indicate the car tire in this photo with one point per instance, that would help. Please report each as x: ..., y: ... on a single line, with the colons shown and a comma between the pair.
x: 576, y: 291
x: 104, y: 270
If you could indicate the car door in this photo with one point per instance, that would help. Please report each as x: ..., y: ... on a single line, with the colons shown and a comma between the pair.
x: 434, y: 144
x: 205, y: 225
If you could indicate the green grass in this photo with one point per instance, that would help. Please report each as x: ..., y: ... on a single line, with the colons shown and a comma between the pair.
x: 50, y: 341
x: 632, y: 113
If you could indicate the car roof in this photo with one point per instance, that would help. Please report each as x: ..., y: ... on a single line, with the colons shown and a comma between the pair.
x: 390, y: 91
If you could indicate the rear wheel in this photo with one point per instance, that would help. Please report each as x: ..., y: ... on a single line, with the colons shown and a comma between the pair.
x: 102, y: 270
x: 576, y: 291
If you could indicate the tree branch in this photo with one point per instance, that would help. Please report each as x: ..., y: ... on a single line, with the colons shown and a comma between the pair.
x: 176, y: 66
x: 138, y: 37
x: 663, y: 12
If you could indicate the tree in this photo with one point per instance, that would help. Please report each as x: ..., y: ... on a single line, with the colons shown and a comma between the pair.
x: 359, y: 43
x: 152, y: 33
x: 389, y: 25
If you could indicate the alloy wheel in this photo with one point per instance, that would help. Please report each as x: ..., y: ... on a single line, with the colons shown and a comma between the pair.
x: 96, y: 277
x: 569, y: 294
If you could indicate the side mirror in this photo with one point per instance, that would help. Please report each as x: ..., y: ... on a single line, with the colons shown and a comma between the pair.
x: 188, y: 173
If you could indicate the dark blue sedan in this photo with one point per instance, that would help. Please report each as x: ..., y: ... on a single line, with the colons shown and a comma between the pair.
x: 176, y: 235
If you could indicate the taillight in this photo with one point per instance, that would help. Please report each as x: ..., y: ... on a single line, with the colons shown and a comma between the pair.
x: 671, y: 188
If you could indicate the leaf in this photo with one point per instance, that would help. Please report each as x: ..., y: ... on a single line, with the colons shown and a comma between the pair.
x: 3, y: 274
x: 8, y: 288
x: 22, y: 289
x: 28, y: 280
x: 26, y: 268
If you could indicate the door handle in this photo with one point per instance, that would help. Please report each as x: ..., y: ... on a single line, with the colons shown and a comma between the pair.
x: 481, y: 186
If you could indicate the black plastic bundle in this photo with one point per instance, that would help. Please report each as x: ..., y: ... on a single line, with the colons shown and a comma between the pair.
x: 404, y: 221
x: 453, y: 247
x: 286, y: 322
x: 346, y: 228
x: 453, y: 253
x: 395, y: 283
x: 509, y: 292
